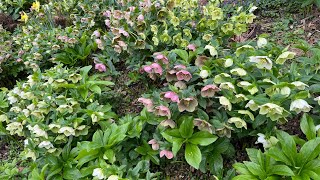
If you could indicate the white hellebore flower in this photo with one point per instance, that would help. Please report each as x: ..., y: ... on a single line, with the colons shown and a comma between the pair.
x: 300, y: 105
x: 253, y: 8
x: 46, y: 144
x: 252, y: 105
x: 212, y: 50
x: 262, y: 42
x: 228, y: 62
x: 225, y: 103
x: 285, y: 56
x: 98, y: 173
x: 67, y: 131
x: 204, y: 74
x: 113, y: 177
x: 317, y: 99
x: 267, y: 143
x: 300, y: 85
x: 261, y: 62
x: 238, y: 72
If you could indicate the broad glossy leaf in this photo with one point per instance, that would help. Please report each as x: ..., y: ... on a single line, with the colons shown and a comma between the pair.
x: 307, y: 126
x: 202, y: 138
x: 309, y: 151
x: 186, y: 127
x: 281, y: 170
x: 193, y: 155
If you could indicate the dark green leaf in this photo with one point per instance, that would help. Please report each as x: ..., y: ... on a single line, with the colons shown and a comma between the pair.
x: 307, y: 126
x: 186, y: 127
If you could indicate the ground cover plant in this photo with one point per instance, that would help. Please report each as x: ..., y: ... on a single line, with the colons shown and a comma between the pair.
x: 131, y: 89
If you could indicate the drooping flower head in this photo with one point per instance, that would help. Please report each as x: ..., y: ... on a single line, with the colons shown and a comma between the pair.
x: 154, y: 144
x: 167, y: 153
x: 170, y: 96
x: 209, y: 90
x: 161, y: 57
x: 203, y: 125
x: 147, y: 103
x: 262, y: 62
x: 100, y: 67
x: 300, y: 105
x: 169, y: 123
x: 187, y: 104
x: 162, y: 111
x: 192, y: 47
x: 183, y: 75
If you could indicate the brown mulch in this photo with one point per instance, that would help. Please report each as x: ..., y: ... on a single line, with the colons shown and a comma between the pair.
x: 4, y: 151
x: 7, y: 22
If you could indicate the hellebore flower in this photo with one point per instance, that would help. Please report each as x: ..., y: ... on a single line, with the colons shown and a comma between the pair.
x: 168, y: 154
x: 183, y: 75
x: 267, y: 143
x: 187, y: 104
x: 169, y: 123
x: 170, y: 96
x: 153, y: 68
x: 192, y: 47
x: 204, y: 74
x: 200, y: 61
x: 209, y: 90
x: 162, y: 111
x: 273, y: 111
x: 285, y: 56
x: 154, y: 144
x: 203, y: 125
x: 238, y: 72
x: 147, y: 103
x: 262, y: 42
x: 98, y: 173
x: 239, y: 123
x: 171, y: 75
x: 300, y: 105
x: 299, y: 85
x: 225, y: 103
x: 100, y: 67
x: 262, y: 62
x: 162, y: 58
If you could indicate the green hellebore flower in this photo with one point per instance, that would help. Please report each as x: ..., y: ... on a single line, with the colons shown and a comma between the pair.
x: 155, y: 41
x: 165, y: 38
x: 140, y: 44
x: 238, y: 122
x: 246, y: 112
x: 250, y: 18
x: 238, y: 72
x: 220, y: 78
x: 162, y: 14
x: 177, y: 39
x: 285, y: 56
x: 187, y: 33
x: 75, y: 77
x: 154, y: 29
x: 243, y: 49
x: 227, y: 28
x: 216, y: 13
x: 175, y: 21
x: 240, y: 28
x: 184, y: 43
x: 225, y: 103
x: 207, y: 37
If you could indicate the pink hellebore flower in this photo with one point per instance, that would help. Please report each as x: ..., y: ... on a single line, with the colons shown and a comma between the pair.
x: 162, y: 58
x: 209, y: 90
x: 107, y: 14
x: 140, y: 17
x: 107, y: 22
x: 192, y: 47
x: 179, y: 67
x: 162, y: 111
x: 187, y: 104
x: 171, y: 96
x: 168, y: 154
x: 171, y: 75
x: 132, y: 8
x: 169, y: 123
x: 154, y: 144
x: 183, y: 75
x: 100, y: 67
x: 147, y: 103
x: 200, y: 60
x: 123, y: 32
x: 153, y: 68
x: 96, y: 33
